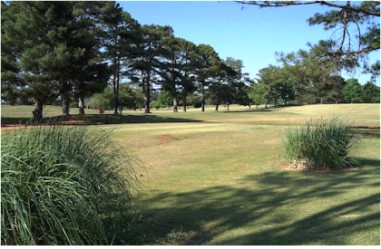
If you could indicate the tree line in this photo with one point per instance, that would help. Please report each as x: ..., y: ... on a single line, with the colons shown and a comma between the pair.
x: 57, y: 52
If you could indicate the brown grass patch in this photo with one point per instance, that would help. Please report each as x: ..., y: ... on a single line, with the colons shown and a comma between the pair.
x: 165, y: 138
x: 287, y: 166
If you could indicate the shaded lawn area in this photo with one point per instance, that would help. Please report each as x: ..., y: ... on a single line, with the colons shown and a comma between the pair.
x: 285, y: 208
x: 97, y: 119
x: 223, y: 184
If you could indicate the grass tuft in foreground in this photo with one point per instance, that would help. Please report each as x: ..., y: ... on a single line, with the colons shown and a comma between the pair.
x: 320, y: 144
x: 59, y: 186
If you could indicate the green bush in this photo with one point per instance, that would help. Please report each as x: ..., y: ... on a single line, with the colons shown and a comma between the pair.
x: 58, y: 184
x: 320, y: 144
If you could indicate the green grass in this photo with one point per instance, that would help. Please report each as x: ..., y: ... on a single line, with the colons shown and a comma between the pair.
x: 62, y: 186
x: 217, y: 178
x: 320, y: 144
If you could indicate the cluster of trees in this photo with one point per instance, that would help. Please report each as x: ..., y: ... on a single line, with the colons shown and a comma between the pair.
x: 57, y: 52
x: 309, y: 77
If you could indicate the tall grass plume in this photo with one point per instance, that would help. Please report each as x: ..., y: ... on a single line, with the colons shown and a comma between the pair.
x: 58, y: 184
x: 320, y: 144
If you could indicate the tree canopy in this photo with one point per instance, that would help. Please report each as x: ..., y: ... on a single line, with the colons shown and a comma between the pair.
x: 62, y: 52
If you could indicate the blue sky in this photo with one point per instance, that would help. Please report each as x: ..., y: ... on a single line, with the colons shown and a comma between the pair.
x: 240, y: 31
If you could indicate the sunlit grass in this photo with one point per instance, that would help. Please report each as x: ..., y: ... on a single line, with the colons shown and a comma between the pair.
x: 223, y: 183
x: 218, y: 178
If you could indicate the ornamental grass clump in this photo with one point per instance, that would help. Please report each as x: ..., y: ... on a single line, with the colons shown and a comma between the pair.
x: 320, y: 144
x: 58, y: 184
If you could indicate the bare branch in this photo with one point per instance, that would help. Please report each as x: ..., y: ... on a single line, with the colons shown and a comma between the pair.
x: 349, y: 7
x: 265, y: 4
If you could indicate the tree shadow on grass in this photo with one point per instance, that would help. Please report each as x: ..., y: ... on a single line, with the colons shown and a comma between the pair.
x: 284, y: 208
x: 97, y: 119
x: 366, y: 131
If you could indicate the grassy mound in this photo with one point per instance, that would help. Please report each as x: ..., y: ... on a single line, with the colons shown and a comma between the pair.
x: 320, y: 144
x: 58, y: 184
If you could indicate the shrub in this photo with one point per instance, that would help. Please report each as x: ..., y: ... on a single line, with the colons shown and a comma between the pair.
x: 58, y: 184
x: 320, y: 144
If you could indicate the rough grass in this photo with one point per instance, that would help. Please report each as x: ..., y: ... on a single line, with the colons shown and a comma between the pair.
x: 216, y: 178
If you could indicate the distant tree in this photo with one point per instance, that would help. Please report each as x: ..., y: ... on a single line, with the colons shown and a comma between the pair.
x: 370, y: 93
x: 222, y: 88
x: 352, y: 91
x: 178, y: 70
x: 238, y: 80
x: 258, y: 93
x: 207, y: 64
x: 334, y: 90
x: 129, y: 97
x: 279, y: 84
x: 170, y: 69
x: 312, y: 75
x: 148, y: 58
x: 102, y: 100
x: 164, y: 99
x: 119, y: 38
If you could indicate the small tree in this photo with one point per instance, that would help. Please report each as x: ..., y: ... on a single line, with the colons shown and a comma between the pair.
x: 352, y: 91
x: 370, y: 93
x: 258, y: 93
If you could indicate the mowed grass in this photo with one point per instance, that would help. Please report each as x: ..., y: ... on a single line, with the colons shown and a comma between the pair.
x: 218, y: 178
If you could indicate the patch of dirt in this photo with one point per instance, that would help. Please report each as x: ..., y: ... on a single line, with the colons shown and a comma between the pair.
x: 12, y: 127
x: 287, y: 166
x: 164, y: 138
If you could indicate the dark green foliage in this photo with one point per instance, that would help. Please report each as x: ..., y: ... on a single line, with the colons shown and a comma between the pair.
x: 320, y: 144
x: 370, y: 93
x: 207, y: 63
x: 51, y: 51
x: 59, y: 185
x: 352, y: 91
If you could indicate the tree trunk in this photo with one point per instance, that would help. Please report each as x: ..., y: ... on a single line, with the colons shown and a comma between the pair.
x: 175, y: 107
x: 216, y: 108
x: 147, y: 95
x: 37, y: 113
x: 116, y: 86
x: 65, y: 105
x: 81, y: 105
x: 185, y: 103
x: 65, y: 93
x: 228, y: 107
x: 203, y: 100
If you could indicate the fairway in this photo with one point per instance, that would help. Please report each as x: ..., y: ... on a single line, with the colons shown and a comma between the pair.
x: 219, y: 179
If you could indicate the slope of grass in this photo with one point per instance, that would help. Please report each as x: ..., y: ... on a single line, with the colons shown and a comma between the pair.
x: 223, y: 183
x: 217, y: 178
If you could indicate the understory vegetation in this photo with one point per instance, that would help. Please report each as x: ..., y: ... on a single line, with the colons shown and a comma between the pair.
x: 320, y: 144
x: 63, y: 186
